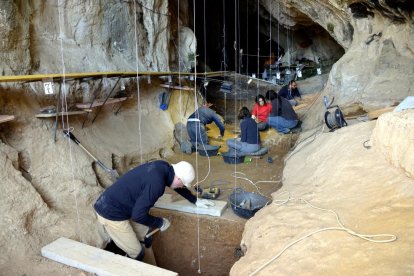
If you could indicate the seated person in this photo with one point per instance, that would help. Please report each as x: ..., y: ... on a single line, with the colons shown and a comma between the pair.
x: 261, y: 110
x: 282, y: 117
x: 196, y: 125
x: 249, y: 138
x: 290, y: 92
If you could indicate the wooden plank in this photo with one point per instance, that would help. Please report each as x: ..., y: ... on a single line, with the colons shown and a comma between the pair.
x: 177, y: 87
x: 167, y: 202
x: 84, y: 75
x: 300, y: 106
x: 6, y: 118
x: 376, y: 113
x: 98, y: 261
x: 67, y: 113
x: 100, y: 102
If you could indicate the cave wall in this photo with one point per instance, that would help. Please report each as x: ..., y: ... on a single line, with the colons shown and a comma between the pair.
x: 377, y: 36
x: 37, y: 36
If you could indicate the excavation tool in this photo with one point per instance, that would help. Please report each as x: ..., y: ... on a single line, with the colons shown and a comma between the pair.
x: 210, y: 193
x: 114, y: 174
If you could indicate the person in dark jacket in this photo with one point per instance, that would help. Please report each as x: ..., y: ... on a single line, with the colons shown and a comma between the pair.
x: 282, y: 117
x: 196, y: 125
x: 291, y: 92
x: 249, y: 138
x: 123, y: 208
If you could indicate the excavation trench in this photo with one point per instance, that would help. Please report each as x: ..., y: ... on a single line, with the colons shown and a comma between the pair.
x: 209, y: 244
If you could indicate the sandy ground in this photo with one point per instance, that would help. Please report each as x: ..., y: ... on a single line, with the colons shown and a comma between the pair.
x: 334, y: 171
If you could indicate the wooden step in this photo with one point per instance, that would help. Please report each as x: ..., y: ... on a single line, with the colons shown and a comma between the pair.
x: 6, y: 118
x: 100, y: 102
x: 67, y: 113
x: 98, y: 261
x: 374, y: 114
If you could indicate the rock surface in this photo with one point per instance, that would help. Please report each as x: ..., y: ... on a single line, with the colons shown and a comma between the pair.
x: 336, y: 172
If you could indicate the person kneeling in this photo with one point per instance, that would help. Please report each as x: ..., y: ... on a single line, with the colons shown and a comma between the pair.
x: 249, y: 138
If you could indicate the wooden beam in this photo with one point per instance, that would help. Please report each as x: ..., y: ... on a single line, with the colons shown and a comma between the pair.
x: 376, y: 113
x: 6, y: 118
x: 67, y: 113
x: 98, y: 75
x: 177, y: 87
x: 100, y: 102
x: 98, y: 261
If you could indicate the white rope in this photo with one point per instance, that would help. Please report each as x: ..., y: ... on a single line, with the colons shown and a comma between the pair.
x: 236, y: 176
x: 64, y: 103
x: 195, y: 108
x: 236, y: 82
x: 376, y: 238
x: 138, y: 92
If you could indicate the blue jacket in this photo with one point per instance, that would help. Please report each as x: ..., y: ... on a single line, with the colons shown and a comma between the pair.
x: 289, y: 94
x: 133, y: 195
x: 207, y: 116
x: 249, y: 131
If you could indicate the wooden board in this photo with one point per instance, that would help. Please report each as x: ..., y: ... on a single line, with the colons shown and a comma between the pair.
x: 300, y: 106
x: 100, y: 102
x: 6, y: 118
x: 376, y: 113
x: 177, y: 87
x: 48, y: 115
x: 98, y: 261
x: 167, y: 202
x: 98, y: 75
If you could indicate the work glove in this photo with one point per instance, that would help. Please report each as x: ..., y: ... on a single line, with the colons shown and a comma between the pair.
x: 204, y: 203
x: 165, y: 224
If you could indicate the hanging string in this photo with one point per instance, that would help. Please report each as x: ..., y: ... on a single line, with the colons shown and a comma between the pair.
x: 138, y: 91
x: 179, y: 74
x: 258, y: 39
x: 247, y: 37
x: 236, y: 82
x: 195, y: 108
x: 64, y: 103
x: 224, y: 53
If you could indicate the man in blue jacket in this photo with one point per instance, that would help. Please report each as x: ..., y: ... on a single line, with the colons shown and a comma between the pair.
x: 123, y: 208
x: 196, y: 125
x: 290, y: 92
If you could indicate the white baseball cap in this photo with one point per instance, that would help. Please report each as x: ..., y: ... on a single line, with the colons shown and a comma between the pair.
x: 185, y: 172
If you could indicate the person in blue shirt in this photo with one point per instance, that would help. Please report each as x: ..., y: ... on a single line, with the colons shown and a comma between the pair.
x: 123, y: 208
x: 249, y: 138
x: 196, y: 125
x: 290, y: 92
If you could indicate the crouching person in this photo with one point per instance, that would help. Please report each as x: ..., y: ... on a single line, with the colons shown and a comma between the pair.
x: 123, y: 208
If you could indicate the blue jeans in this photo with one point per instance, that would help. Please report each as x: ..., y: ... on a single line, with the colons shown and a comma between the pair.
x: 242, y: 147
x: 197, y: 132
x: 281, y: 124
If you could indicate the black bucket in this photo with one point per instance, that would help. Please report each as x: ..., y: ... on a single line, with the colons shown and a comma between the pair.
x: 208, y: 152
x: 231, y: 157
x: 246, y: 204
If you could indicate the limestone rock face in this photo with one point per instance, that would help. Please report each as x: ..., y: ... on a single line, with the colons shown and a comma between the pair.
x: 188, y: 48
x: 378, y: 37
x: 393, y: 136
x: 15, y: 57
x: 82, y: 36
